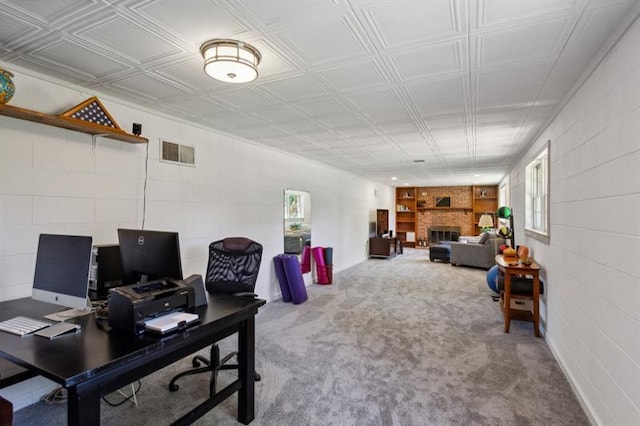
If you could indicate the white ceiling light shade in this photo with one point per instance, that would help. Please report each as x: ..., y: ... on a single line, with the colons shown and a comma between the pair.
x: 231, y: 61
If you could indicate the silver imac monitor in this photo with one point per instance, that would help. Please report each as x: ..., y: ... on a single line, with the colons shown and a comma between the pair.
x: 62, y: 270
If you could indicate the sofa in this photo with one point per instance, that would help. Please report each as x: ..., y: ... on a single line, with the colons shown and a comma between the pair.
x: 295, y: 241
x: 480, y: 255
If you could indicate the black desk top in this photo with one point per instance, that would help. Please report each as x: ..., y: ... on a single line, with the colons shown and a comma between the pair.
x: 74, y: 358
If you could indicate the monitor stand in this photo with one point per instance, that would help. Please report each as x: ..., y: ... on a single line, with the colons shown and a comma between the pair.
x: 70, y: 313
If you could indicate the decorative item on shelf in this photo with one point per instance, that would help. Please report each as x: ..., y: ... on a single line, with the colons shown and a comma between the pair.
x: 92, y: 111
x: 483, y: 193
x: 7, y: 87
x: 422, y: 204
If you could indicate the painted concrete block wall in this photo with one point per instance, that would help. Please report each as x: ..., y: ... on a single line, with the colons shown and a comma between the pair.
x: 56, y: 181
x: 592, y: 265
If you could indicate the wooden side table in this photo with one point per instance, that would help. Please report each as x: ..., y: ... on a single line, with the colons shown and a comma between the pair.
x: 510, y: 266
x: 383, y: 247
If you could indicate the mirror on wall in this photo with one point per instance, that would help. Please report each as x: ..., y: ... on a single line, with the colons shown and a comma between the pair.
x: 297, y: 220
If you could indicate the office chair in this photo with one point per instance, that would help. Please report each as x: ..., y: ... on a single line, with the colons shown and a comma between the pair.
x: 233, y: 268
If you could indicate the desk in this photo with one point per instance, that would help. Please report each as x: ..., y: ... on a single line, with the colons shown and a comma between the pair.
x: 96, y: 362
x: 509, y: 267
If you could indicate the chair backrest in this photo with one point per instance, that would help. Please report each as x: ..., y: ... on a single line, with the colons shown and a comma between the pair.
x: 233, y: 265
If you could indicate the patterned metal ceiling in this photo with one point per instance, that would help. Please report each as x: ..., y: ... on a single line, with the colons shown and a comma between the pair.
x: 433, y: 92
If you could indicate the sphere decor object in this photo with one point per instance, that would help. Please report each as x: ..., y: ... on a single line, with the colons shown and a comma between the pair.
x: 492, y: 278
x: 7, y: 88
x: 523, y: 252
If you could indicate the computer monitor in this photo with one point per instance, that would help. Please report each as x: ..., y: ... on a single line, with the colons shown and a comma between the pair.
x: 63, y: 263
x: 149, y: 255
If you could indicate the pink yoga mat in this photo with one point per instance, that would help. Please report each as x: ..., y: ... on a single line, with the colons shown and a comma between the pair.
x: 321, y: 270
x: 306, y: 259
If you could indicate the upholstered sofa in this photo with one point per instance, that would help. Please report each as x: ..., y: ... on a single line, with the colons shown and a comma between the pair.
x: 480, y: 255
x: 295, y: 241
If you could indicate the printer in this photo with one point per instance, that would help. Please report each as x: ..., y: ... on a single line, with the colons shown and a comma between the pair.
x: 132, y: 305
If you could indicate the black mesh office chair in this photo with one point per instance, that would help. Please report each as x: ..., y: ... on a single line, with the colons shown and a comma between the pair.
x: 233, y: 268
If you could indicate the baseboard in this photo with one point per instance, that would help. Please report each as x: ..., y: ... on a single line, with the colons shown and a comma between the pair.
x: 577, y: 391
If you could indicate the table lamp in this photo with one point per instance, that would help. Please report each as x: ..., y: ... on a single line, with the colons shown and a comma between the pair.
x: 485, y: 222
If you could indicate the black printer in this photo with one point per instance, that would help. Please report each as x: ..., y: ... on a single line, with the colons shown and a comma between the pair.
x: 131, y: 305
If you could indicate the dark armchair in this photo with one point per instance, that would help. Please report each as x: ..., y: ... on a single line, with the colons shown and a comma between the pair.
x: 233, y: 269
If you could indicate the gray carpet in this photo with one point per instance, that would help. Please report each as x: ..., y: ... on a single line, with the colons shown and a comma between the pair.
x: 398, y: 341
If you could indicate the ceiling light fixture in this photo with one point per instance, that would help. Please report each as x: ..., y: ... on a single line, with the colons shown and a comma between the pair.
x: 231, y: 61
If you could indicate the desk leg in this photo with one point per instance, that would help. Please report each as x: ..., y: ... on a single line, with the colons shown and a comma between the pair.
x: 536, y: 304
x: 507, y: 300
x: 246, y: 370
x: 83, y: 407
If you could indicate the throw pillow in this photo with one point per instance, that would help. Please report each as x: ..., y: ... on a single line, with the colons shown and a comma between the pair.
x: 484, y: 238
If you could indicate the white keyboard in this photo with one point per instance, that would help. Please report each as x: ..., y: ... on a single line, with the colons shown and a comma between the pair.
x: 23, y: 325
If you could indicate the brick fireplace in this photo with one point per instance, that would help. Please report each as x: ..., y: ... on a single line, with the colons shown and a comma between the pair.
x: 442, y: 233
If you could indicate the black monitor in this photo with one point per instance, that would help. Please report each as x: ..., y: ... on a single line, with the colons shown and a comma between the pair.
x: 149, y: 255
x: 63, y: 264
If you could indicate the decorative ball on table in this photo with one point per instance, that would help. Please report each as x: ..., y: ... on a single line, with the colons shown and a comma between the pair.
x: 523, y: 252
x: 492, y: 278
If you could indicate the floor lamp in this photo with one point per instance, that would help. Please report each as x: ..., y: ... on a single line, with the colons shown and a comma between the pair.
x: 505, y: 212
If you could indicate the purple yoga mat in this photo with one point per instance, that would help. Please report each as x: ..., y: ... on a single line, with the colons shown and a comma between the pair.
x: 294, y: 278
x: 282, y: 278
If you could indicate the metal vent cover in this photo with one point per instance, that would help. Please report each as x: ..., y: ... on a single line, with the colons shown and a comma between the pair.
x: 172, y: 152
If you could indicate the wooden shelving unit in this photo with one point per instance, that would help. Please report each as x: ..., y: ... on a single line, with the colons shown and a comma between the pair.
x: 70, y: 124
x: 406, y: 216
x: 485, y: 199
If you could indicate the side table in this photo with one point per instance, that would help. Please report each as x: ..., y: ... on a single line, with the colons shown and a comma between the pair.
x: 383, y: 247
x: 510, y: 266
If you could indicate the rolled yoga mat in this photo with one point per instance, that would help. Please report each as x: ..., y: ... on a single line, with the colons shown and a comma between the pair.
x: 306, y: 259
x: 294, y: 278
x: 282, y: 278
x: 328, y: 256
x: 321, y: 270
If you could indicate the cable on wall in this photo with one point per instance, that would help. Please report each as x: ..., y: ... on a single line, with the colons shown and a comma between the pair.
x: 144, y: 190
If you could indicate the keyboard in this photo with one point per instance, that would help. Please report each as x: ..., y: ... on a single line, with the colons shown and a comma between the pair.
x: 23, y: 325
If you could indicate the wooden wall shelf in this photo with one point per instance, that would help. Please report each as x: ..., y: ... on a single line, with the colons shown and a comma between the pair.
x: 464, y: 209
x: 70, y: 124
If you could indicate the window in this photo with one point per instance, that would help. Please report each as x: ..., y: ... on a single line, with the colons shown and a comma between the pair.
x: 537, y: 196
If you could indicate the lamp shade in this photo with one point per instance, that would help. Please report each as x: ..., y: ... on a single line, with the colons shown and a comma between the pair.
x: 504, y: 212
x: 231, y: 61
x: 486, y: 221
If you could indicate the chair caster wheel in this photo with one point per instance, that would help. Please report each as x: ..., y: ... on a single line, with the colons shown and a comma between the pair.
x: 195, y: 363
x: 173, y: 387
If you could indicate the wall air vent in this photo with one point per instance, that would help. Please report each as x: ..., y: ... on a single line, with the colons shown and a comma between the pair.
x: 172, y: 152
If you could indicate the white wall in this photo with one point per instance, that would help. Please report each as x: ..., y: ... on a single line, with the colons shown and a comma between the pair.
x: 592, y: 265
x: 53, y: 180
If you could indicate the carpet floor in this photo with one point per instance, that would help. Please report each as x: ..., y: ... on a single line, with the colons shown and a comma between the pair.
x: 401, y: 341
